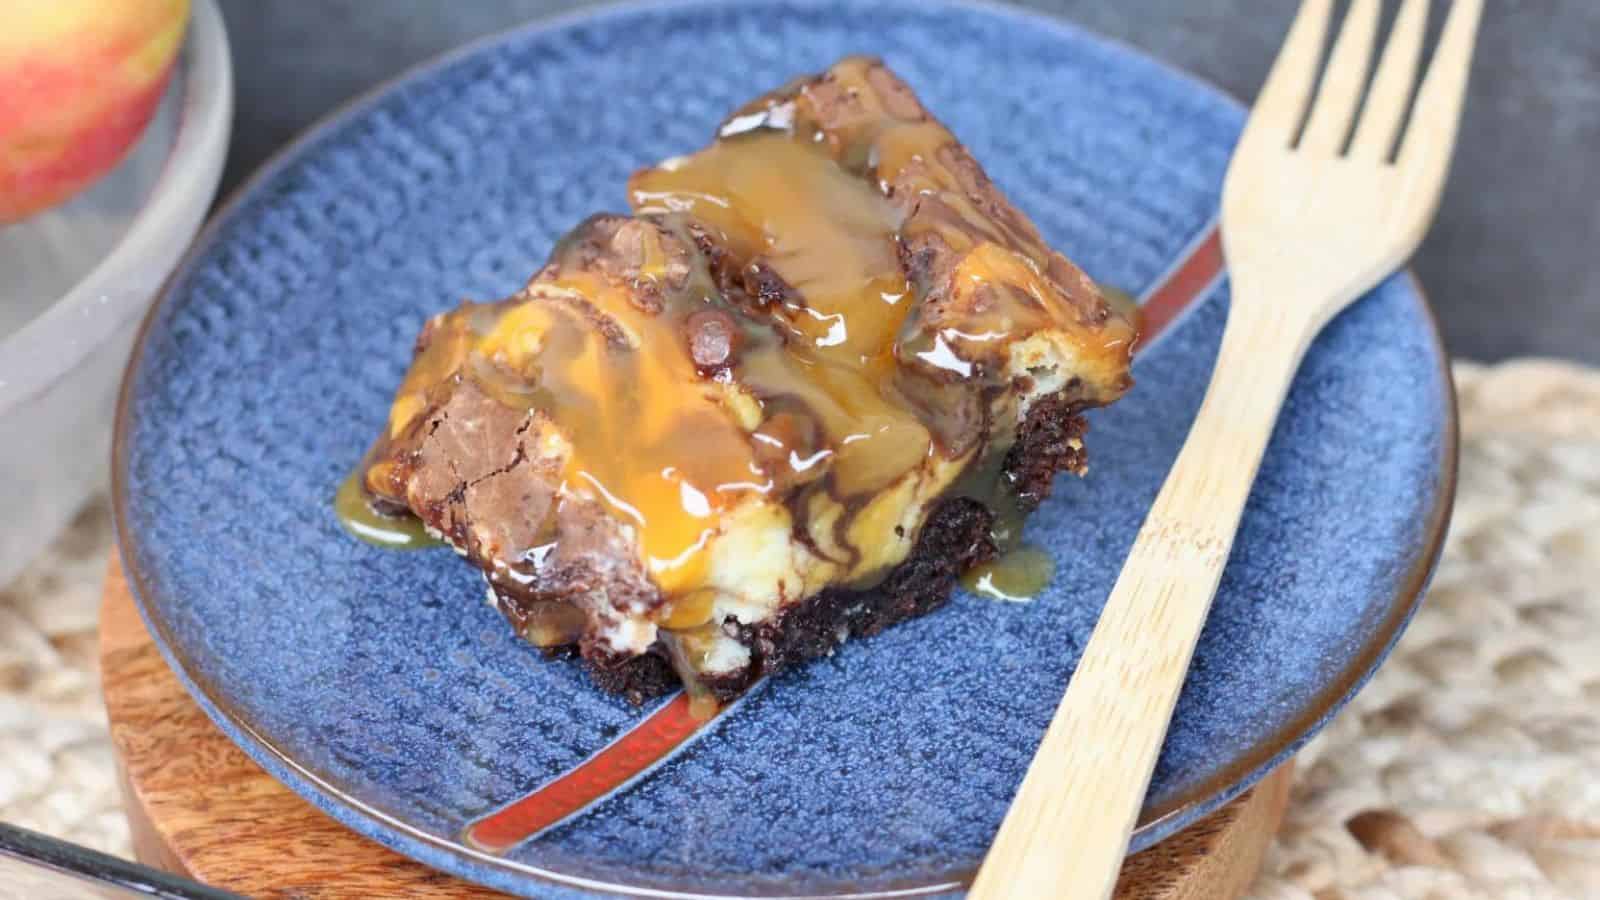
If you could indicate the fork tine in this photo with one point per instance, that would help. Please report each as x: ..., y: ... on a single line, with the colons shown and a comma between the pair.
x: 1348, y: 63
x: 1436, y: 115
x: 1391, y: 86
x: 1282, y: 100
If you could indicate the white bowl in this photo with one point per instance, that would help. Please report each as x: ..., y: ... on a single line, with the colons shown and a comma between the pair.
x: 75, y: 282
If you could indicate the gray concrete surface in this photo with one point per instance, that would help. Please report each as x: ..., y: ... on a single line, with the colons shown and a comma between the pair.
x: 1513, y: 264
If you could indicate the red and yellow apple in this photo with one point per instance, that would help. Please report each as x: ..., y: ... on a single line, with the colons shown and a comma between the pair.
x: 79, y: 81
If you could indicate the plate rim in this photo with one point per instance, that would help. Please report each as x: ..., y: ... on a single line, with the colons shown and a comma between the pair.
x: 1154, y: 824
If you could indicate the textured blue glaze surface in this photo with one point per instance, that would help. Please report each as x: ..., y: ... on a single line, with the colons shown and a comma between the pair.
x: 380, y: 685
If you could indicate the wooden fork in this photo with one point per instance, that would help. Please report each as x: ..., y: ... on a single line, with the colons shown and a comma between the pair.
x: 1308, y: 226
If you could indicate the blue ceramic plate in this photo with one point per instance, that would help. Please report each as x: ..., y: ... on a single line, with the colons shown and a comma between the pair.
x: 380, y: 686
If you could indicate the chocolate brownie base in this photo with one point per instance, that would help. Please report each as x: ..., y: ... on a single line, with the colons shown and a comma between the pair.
x: 955, y: 537
x: 1049, y: 441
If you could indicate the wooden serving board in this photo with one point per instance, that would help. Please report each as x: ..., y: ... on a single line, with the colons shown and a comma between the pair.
x: 198, y: 806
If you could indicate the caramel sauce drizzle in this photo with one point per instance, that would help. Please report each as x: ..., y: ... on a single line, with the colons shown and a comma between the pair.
x: 353, y: 507
x: 815, y: 397
x: 649, y: 437
x: 1017, y: 576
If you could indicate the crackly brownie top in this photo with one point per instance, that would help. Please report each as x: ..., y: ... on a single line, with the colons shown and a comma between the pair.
x: 827, y: 299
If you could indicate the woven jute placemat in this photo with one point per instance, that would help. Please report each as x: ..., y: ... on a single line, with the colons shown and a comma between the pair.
x: 1469, y: 767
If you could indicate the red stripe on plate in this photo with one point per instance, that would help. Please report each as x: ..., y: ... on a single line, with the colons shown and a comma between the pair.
x: 1184, y: 283
x: 640, y: 749
x: 632, y: 755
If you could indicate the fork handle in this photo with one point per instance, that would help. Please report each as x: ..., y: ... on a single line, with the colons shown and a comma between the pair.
x: 1066, y: 833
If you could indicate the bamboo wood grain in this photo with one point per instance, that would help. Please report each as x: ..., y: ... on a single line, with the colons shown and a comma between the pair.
x: 197, y: 806
x: 1307, y: 228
